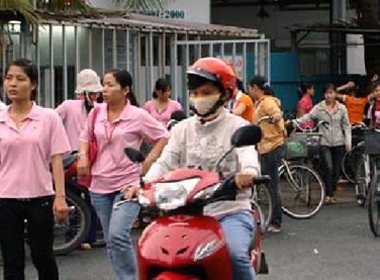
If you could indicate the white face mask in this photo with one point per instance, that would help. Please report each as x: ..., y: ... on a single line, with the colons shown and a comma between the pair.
x: 203, y: 104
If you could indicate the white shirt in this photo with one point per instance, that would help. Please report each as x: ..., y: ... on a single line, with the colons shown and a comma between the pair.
x: 194, y: 145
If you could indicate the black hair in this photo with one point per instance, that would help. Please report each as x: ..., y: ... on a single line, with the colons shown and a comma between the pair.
x: 161, y: 84
x: 262, y: 83
x: 327, y: 87
x: 30, y: 70
x: 124, y: 78
x: 258, y: 81
x: 302, y: 90
x: 240, y: 85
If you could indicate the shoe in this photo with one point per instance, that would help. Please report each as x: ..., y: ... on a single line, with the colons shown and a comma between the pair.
x: 274, y: 229
x: 85, y: 246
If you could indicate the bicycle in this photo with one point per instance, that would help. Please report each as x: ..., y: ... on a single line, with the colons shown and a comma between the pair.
x: 299, y: 179
x: 356, y: 165
x: 371, y: 147
x: 351, y: 157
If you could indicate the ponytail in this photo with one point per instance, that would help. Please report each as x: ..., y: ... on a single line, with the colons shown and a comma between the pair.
x: 132, y: 98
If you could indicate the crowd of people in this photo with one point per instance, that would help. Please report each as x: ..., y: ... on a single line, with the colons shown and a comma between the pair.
x: 106, y: 114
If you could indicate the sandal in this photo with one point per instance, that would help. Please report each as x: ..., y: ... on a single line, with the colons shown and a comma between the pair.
x: 85, y: 246
x: 333, y: 200
x: 327, y: 200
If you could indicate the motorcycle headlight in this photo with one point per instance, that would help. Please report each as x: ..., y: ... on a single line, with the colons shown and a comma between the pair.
x: 172, y: 195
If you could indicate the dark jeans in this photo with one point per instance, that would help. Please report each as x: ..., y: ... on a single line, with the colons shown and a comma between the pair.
x: 38, y: 212
x: 331, y: 158
x: 270, y: 163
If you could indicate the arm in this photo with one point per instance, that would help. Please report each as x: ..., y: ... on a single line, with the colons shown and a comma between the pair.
x: 170, y: 157
x: 83, y: 163
x: 154, y: 132
x: 341, y: 97
x: 300, y: 112
x: 309, y: 116
x: 346, y: 86
x: 248, y: 160
x: 59, y: 144
x: 239, y: 109
x: 272, y: 108
x: 58, y: 175
x: 153, y: 155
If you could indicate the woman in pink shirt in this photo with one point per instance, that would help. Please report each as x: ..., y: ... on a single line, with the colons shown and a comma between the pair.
x: 74, y: 112
x: 305, y: 104
x: 30, y: 137
x: 161, y: 106
x: 118, y: 124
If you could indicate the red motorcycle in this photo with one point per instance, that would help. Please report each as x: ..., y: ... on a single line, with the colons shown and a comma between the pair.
x: 182, y: 243
x: 69, y: 235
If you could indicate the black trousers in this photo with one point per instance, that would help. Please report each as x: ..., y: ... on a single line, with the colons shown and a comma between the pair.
x: 39, y: 217
x: 332, y: 158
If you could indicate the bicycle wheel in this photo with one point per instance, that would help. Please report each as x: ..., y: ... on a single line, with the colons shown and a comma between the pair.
x: 374, y: 205
x: 349, y: 162
x: 362, y: 179
x: 302, y: 191
x: 263, y: 196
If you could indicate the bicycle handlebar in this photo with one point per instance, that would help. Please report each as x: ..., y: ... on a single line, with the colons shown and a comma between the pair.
x: 359, y: 125
x: 265, y: 119
x: 308, y: 129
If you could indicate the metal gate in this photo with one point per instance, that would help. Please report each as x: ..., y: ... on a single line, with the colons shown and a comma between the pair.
x: 249, y: 57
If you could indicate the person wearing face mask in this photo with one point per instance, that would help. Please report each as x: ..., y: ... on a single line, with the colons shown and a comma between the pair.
x: 336, y: 137
x: 74, y: 114
x: 199, y: 141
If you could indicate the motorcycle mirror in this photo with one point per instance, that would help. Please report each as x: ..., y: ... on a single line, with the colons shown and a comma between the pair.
x: 134, y: 155
x: 246, y: 136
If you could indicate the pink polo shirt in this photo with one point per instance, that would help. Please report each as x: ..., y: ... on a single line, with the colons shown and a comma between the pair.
x: 25, y: 153
x: 112, y: 170
x: 74, y: 115
x: 162, y: 116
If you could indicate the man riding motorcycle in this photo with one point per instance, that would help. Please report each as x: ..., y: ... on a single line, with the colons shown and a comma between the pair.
x: 199, y: 141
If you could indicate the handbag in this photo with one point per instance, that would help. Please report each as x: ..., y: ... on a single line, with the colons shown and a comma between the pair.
x: 92, y: 150
x: 93, y: 145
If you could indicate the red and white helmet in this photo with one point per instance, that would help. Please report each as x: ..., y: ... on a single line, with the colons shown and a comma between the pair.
x: 216, y: 70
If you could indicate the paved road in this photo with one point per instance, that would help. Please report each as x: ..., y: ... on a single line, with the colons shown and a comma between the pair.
x: 336, y: 244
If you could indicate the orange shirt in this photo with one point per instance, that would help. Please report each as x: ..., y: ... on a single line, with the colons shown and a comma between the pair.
x: 355, y: 108
x: 249, y: 106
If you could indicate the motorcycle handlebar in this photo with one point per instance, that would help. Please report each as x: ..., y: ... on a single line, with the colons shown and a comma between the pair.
x: 264, y: 179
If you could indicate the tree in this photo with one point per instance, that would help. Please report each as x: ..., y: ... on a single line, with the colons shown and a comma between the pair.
x: 368, y: 15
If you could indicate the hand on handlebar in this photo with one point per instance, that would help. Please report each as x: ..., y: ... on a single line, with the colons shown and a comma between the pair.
x: 243, y: 180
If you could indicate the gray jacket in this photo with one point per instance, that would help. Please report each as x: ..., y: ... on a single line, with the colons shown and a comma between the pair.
x: 338, y: 131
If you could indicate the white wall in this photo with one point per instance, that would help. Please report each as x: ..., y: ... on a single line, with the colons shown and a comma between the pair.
x: 355, y: 55
x: 188, y: 10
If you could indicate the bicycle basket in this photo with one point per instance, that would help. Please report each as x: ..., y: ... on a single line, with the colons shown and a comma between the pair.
x: 296, y: 146
x: 313, y: 143
x: 372, y: 142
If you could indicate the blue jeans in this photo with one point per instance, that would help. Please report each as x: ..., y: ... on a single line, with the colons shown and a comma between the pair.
x: 239, y: 230
x: 270, y: 163
x: 117, y: 224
